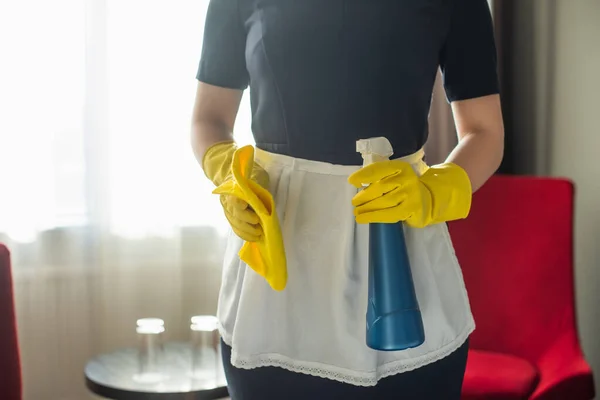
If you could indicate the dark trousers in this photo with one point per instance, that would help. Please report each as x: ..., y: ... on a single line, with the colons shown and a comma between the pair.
x: 441, y: 380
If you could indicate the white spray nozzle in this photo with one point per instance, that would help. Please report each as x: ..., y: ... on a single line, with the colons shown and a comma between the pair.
x: 374, y: 149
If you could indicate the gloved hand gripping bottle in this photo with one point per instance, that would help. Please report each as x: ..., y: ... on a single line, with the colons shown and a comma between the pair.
x: 393, y: 317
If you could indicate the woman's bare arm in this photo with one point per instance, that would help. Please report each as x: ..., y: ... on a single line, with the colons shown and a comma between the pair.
x: 213, y: 118
x: 481, y: 137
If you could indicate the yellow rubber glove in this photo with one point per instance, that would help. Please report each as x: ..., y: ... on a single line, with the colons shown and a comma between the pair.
x: 265, y: 255
x: 217, y: 163
x: 395, y: 193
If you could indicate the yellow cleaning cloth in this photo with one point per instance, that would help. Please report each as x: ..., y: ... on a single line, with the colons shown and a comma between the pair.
x: 267, y: 255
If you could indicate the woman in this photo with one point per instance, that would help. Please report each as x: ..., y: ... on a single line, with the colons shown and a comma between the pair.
x: 324, y: 74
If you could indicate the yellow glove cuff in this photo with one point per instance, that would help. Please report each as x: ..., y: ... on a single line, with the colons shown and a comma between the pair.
x: 217, y: 160
x: 451, y: 192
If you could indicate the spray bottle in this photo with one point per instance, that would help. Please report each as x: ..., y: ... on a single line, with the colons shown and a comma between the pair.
x: 393, y: 317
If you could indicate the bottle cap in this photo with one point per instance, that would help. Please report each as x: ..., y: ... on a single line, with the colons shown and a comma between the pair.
x: 374, y: 149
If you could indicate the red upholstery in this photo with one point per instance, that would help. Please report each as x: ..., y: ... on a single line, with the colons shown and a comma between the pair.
x: 516, y: 252
x: 493, y: 375
x: 10, y: 367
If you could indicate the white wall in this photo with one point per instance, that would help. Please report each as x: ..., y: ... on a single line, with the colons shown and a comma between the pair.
x: 575, y: 150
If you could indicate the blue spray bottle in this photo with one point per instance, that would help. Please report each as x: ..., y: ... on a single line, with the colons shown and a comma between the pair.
x: 393, y: 317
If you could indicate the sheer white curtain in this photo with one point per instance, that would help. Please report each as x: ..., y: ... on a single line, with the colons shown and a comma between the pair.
x: 106, y: 211
x: 96, y: 100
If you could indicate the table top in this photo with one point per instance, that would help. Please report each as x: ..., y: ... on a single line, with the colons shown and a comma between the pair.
x: 116, y: 376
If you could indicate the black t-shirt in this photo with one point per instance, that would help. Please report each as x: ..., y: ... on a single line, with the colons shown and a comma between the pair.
x: 325, y: 73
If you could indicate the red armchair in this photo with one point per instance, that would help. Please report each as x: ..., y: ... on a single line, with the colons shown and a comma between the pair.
x: 10, y: 366
x: 516, y: 252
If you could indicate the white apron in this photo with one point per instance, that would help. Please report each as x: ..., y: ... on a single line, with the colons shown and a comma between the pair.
x: 317, y: 324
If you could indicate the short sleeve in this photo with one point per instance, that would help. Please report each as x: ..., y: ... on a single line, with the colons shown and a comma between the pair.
x: 223, y: 61
x: 468, y: 59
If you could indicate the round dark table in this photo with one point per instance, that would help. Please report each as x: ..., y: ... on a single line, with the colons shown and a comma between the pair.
x: 115, y: 376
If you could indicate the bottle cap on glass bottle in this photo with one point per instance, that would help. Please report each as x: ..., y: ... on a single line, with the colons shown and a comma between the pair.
x: 204, y: 323
x: 150, y: 322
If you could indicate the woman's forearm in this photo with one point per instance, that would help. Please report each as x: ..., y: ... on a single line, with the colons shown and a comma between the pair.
x: 213, y: 117
x: 480, y: 155
x: 205, y: 134
x: 480, y: 137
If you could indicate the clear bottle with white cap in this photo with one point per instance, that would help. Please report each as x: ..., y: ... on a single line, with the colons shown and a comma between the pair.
x: 206, y: 354
x: 150, y: 334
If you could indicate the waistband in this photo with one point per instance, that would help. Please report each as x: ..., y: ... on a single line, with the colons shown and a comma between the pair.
x: 266, y: 158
